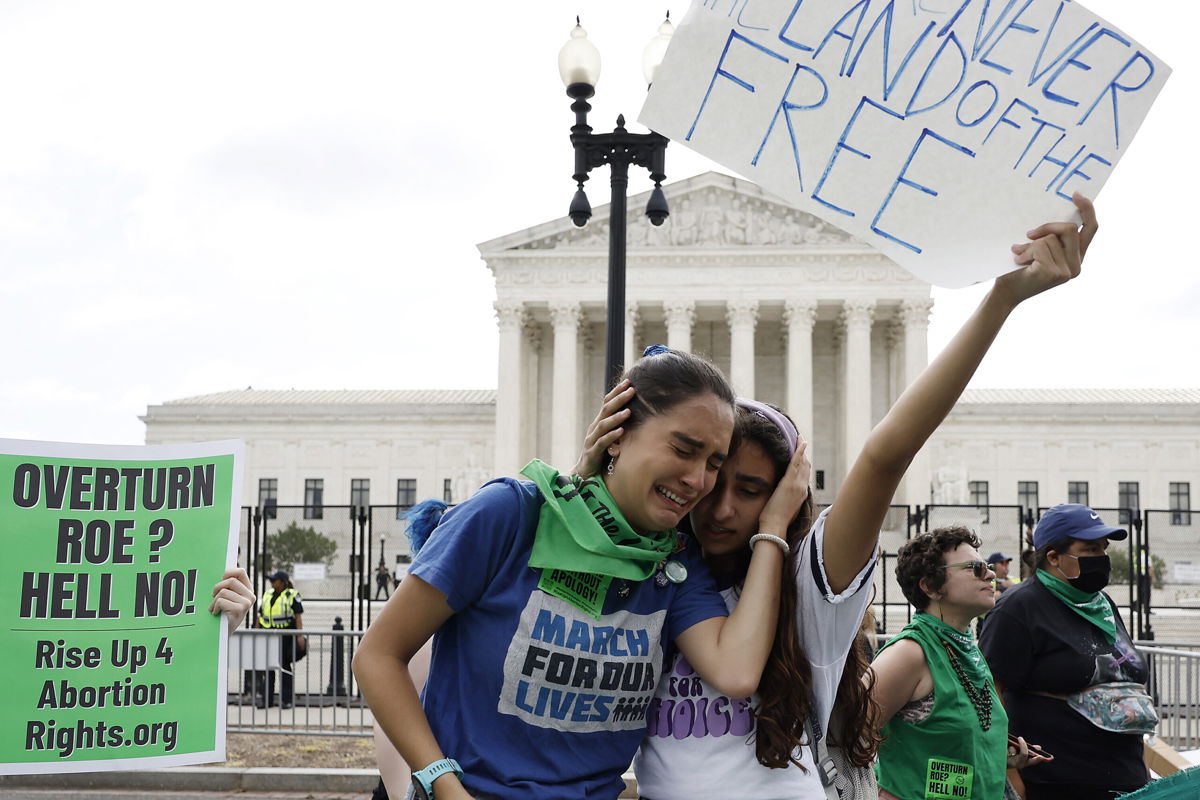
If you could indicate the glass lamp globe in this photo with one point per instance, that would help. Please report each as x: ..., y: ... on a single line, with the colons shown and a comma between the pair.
x: 579, y: 60
x: 652, y: 56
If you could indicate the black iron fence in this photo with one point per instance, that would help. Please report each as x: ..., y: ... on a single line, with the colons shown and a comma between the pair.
x: 331, y: 552
x: 321, y: 696
x: 1155, y: 582
x: 334, y: 553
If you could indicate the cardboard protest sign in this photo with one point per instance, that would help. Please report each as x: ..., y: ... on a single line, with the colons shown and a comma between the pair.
x: 111, y: 658
x: 939, y: 131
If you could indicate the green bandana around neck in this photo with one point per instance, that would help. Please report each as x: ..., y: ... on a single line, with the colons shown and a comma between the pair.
x: 583, y: 541
x: 963, y: 644
x: 1092, y: 606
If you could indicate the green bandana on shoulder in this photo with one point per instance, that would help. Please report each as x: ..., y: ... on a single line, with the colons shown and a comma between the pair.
x: 963, y: 644
x: 1093, y: 607
x: 583, y: 541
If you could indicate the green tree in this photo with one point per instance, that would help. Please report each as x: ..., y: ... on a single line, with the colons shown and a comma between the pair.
x: 1120, y: 568
x: 295, y: 545
x: 1158, y: 571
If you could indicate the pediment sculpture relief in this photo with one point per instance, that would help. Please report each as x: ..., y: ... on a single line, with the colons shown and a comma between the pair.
x: 708, y: 218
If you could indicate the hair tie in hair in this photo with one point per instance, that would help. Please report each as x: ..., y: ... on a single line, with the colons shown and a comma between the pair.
x: 655, y: 349
x: 790, y: 434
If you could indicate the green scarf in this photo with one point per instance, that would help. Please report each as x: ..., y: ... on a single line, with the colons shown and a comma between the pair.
x: 583, y: 541
x: 963, y: 645
x: 1093, y: 606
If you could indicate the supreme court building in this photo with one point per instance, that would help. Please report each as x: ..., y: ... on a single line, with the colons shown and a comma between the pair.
x: 794, y: 311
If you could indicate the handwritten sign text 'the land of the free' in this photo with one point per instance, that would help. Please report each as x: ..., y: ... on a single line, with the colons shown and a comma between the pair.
x: 938, y: 131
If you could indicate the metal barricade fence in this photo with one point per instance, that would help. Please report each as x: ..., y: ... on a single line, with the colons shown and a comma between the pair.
x: 362, y: 537
x: 1175, y: 687
x: 325, y: 699
x: 1168, y: 572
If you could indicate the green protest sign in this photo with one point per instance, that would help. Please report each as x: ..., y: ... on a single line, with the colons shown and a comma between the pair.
x: 112, y: 660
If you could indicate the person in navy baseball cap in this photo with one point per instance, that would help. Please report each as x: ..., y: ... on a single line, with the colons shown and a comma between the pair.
x: 1073, y: 521
x: 1058, y: 635
x: 999, y: 563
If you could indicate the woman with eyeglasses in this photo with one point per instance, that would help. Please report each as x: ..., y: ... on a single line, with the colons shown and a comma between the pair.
x: 945, y: 733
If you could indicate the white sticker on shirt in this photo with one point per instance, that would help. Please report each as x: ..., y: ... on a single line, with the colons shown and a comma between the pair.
x: 567, y: 671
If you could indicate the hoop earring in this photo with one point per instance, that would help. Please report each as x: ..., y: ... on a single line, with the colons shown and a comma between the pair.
x: 611, y: 466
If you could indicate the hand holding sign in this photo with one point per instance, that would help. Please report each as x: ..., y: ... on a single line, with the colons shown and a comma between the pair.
x: 1053, y: 256
x: 233, y: 596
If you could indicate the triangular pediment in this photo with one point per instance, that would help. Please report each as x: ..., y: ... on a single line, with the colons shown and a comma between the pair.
x: 710, y: 210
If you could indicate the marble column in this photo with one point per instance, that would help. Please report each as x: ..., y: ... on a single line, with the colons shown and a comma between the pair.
x: 914, y: 316
x: 632, y: 318
x: 799, y: 317
x: 680, y: 316
x: 532, y: 401
x: 857, y: 315
x: 511, y: 317
x: 894, y: 338
x: 565, y: 441
x: 741, y: 316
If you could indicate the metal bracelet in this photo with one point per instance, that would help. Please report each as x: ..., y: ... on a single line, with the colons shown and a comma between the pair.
x: 770, y: 537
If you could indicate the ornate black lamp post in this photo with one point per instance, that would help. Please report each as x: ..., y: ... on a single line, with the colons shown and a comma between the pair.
x: 579, y: 65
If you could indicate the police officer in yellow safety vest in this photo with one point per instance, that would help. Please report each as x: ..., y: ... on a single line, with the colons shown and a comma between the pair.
x: 999, y: 563
x: 281, y: 609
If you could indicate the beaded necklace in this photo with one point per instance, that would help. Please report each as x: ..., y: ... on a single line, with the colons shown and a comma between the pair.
x: 980, y: 698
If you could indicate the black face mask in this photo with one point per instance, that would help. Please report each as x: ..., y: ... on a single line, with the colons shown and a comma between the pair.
x: 1093, y: 573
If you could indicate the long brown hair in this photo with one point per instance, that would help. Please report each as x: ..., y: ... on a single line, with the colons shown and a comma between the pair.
x: 852, y: 724
x: 785, y: 690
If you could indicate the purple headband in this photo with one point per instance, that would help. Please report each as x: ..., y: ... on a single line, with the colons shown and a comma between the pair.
x: 790, y: 434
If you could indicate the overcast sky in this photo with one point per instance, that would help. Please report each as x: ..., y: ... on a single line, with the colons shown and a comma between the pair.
x: 197, y: 197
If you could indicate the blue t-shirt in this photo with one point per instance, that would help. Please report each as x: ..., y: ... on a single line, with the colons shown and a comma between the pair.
x: 533, y: 697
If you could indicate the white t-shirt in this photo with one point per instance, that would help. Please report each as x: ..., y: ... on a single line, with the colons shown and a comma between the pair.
x: 699, y: 742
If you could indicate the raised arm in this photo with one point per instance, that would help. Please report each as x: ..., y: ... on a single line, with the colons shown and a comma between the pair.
x: 1053, y: 256
x: 730, y: 652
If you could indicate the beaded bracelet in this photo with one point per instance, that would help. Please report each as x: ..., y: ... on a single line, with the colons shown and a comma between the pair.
x: 770, y: 537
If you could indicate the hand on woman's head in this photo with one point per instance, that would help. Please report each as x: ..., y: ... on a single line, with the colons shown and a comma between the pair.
x: 605, y: 429
x: 790, y: 493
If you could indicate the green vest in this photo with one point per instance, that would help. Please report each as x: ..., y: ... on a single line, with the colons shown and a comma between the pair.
x: 947, y: 756
x: 277, y: 611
